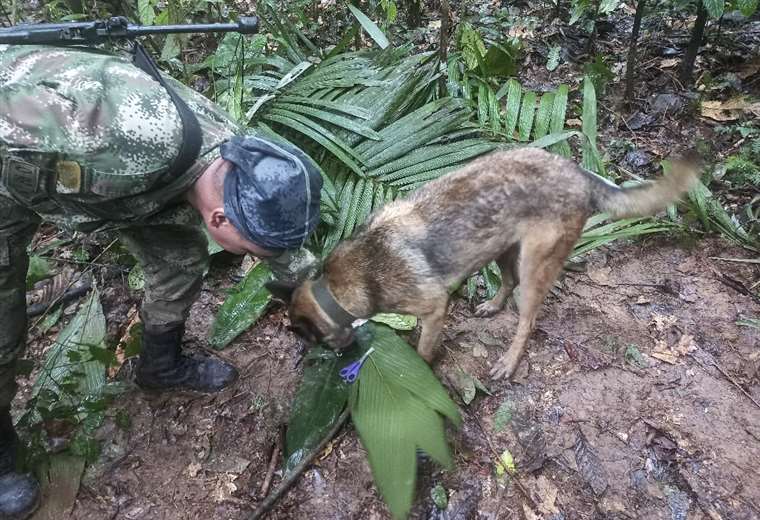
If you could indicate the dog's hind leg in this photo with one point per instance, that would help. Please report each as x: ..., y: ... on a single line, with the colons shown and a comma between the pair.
x: 507, y: 262
x: 544, y: 253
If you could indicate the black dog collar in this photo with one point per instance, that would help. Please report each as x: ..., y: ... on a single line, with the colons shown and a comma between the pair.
x: 327, y: 301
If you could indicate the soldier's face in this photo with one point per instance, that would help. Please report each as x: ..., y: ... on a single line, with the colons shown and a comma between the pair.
x: 227, y: 236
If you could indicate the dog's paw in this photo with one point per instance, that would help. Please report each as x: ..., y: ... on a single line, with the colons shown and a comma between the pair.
x: 486, y: 309
x: 504, y: 367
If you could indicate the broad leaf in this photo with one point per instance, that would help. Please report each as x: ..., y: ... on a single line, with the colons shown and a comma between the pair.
x: 145, y: 12
x: 591, y: 159
x: 318, y: 404
x: 396, y: 321
x: 747, y: 7
x: 552, y: 62
x: 71, y: 353
x: 714, y: 7
x: 397, y: 405
x: 39, y: 269
x: 242, y: 307
x: 371, y: 27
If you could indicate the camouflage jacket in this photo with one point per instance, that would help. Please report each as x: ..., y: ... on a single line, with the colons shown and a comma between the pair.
x: 93, y: 136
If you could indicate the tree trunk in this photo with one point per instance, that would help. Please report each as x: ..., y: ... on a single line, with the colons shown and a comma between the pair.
x: 444, y: 45
x: 631, y: 62
x: 697, y: 34
x: 414, y: 13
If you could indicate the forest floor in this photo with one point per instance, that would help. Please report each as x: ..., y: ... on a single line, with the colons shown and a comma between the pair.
x: 638, y: 397
x: 626, y: 407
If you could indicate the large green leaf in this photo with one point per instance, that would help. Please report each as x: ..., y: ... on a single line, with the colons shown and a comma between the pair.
x: 398, y: 405
x: 543, y: 116
x: 371, y: 27
x: 714, y: 7
x: 527, y: 113
x: 714, y: 217
x: 558, y: 119
x: 591, y: 160
x: 318, y: 404
x: 242, y: 307
x: 39, y: 269
x: 71, y: 354
x: 747, y: 7
x: 597, y: 232
x: 514, y: 95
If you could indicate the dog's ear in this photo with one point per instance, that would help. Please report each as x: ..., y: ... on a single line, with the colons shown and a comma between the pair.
x: 282, y: 291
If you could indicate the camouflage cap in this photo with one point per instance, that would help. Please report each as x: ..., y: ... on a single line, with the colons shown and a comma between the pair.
x: 272, y: 192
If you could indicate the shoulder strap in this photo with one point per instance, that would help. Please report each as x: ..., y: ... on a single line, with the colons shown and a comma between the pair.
x: 191, y: 130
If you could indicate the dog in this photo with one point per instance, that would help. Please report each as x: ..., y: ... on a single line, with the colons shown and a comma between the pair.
x: 524, y: 208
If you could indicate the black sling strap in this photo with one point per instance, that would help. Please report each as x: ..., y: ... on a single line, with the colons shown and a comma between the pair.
x: 191, y: 130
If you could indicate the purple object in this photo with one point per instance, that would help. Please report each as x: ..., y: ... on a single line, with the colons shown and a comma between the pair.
x: 349, y: 373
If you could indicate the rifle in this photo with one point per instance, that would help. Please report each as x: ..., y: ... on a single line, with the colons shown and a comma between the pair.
x: 102, y: 31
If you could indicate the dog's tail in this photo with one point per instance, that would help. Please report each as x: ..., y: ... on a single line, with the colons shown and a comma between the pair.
x: 645, y: 199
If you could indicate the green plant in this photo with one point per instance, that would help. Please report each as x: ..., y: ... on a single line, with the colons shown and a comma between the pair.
x: 70, y: 395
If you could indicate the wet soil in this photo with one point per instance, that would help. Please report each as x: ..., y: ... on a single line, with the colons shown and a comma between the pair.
x: 627, y: 406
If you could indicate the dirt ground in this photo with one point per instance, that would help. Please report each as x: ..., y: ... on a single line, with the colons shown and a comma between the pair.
x: 627, y: 406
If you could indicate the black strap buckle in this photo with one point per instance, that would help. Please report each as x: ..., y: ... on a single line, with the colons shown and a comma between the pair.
x: 20, y: 177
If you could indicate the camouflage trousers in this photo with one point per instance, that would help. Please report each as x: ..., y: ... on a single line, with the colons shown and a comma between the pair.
x: 172, y: 251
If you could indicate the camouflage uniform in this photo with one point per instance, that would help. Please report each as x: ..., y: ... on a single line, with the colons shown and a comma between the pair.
x: 86, y: 139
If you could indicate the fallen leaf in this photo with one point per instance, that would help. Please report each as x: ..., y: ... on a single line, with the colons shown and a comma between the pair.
x: 729, y: 110
x: 529, y: 514
x: 548, y: 491
x: 327, y: 451
x: 479, y: 351
x: 503, y: 415
x: 506, y: 463
x: 440, y: 497
x: 685, y: 345
x: 668, y: 63
x: 193, y: 469
x: 667, y: 357
x: 589, y: 465
x: 750, y: 68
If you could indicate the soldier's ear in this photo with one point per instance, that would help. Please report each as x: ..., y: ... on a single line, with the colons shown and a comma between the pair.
x: 282, y: 291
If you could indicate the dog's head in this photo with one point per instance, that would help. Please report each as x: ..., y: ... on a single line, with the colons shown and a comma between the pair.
x: 308, y: 319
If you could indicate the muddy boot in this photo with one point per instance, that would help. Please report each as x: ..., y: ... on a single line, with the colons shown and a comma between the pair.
x: 162, y: 366
x: 19, y: 494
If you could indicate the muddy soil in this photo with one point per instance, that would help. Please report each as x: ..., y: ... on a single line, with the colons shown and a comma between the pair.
x: 628, y: 405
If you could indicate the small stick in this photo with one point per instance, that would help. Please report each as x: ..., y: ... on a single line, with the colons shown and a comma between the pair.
x: 726, y: 375
x: 737, y: 260
x: 272, y: 464
x: 291, y: 479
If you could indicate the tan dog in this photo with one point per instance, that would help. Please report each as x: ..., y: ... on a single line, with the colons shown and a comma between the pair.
x: 524, y: 204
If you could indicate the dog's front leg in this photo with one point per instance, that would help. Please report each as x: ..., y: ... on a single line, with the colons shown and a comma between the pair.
x: 432, y: 325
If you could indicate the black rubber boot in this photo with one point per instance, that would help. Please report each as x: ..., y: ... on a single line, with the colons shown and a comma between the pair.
x: 19, y: 494
x: 162, y: 366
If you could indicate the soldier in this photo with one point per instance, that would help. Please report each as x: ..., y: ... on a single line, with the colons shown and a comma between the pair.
x: 90, y: 141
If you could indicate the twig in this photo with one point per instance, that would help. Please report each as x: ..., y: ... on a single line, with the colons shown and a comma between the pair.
x: 272, y: 463
x: 737, y: 260
x: 736, y: 285
x: 291, y: 479
x: 725, y: 374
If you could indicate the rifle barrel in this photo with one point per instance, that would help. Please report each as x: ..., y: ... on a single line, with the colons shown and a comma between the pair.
x: 98, y: 32
x: 247, y: 25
